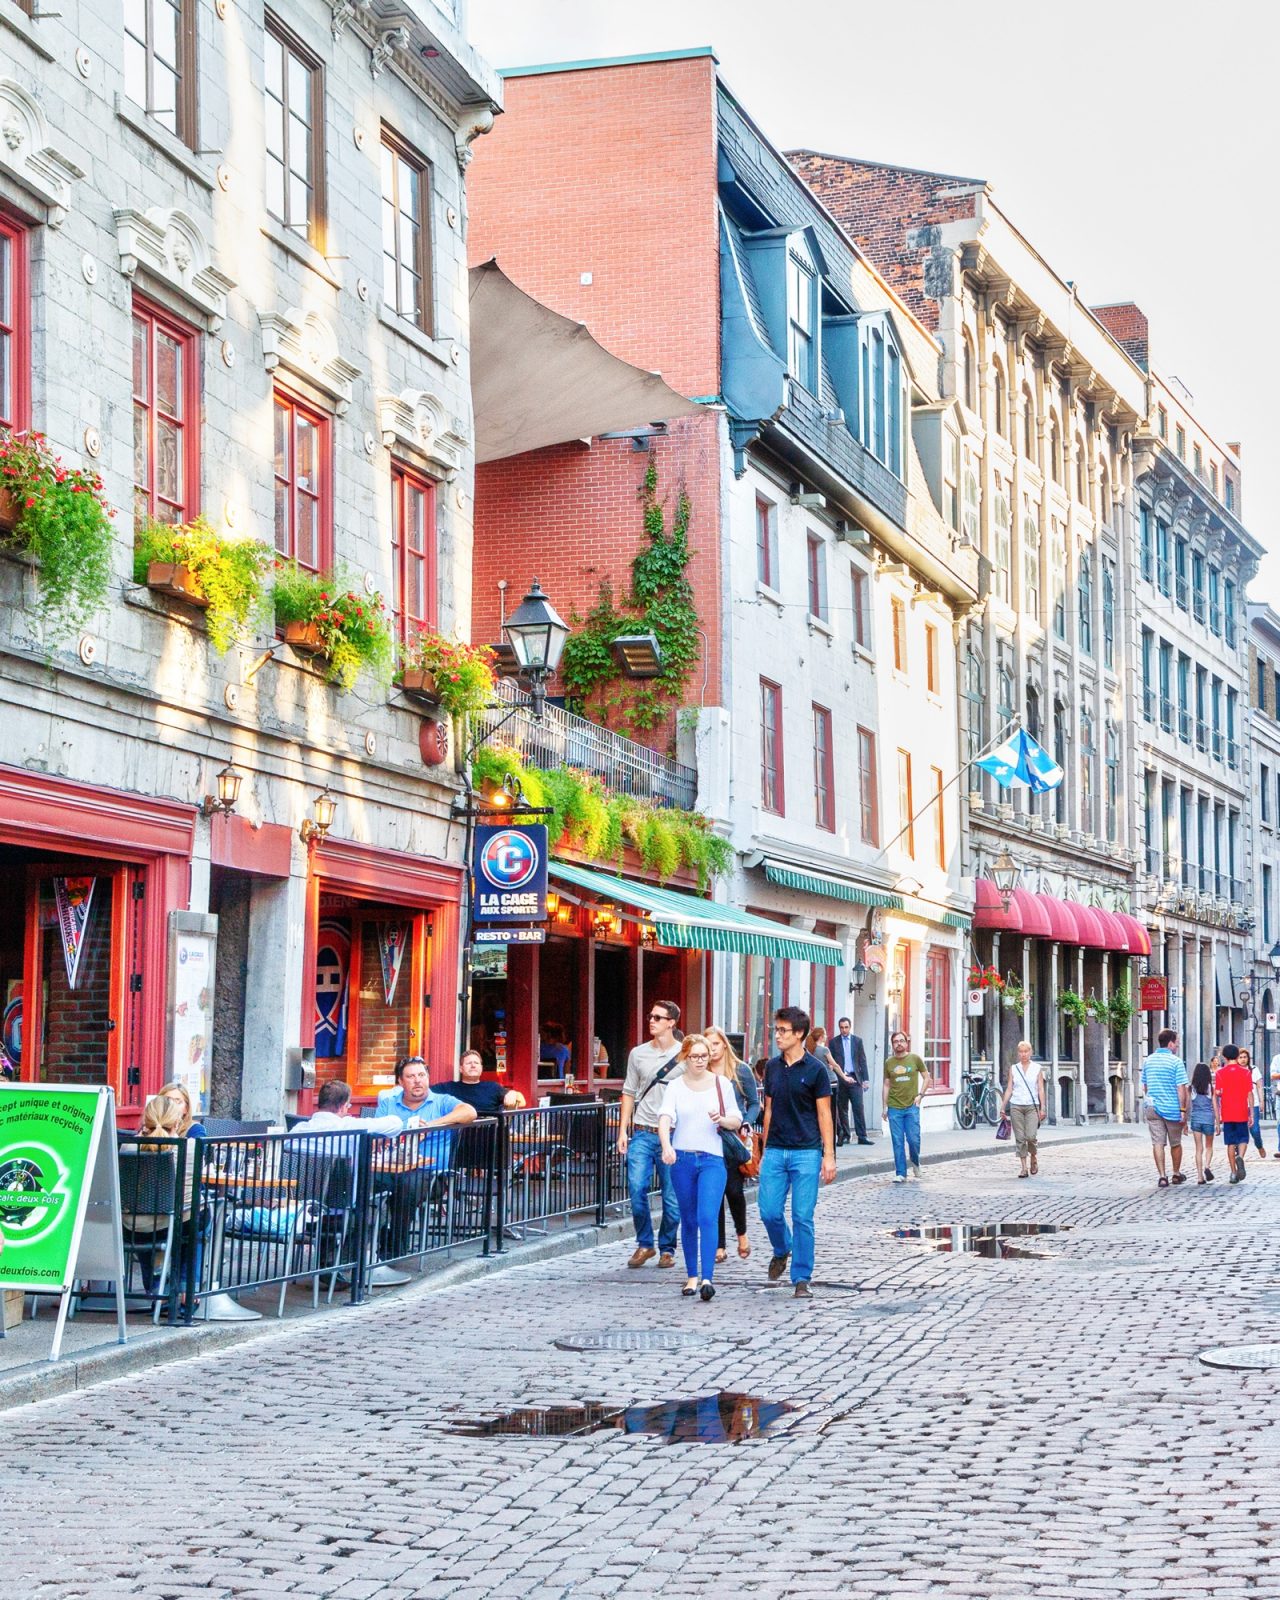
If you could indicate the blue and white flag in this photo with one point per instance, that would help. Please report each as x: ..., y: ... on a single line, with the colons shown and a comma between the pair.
x: 1020, y: 762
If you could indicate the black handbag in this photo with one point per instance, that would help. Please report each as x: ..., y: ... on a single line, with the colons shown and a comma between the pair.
x: 733, y: 1147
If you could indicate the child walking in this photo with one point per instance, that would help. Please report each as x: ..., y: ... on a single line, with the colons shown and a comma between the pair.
x: 1202, y: 1120
x: 1233, y: 1091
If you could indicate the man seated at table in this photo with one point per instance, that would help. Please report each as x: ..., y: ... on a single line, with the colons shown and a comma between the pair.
x: 333, y: 1114
x: 417, y: 1105
x: 471, y: 1088
x: 418, y: 1159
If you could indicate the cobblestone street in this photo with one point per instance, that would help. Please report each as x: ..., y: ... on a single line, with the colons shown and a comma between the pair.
x: 965, y: 1428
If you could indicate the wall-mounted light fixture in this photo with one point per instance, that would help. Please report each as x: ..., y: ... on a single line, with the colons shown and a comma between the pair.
x: 857, y: 977
x: 228, y: 782
x: 325, y: 806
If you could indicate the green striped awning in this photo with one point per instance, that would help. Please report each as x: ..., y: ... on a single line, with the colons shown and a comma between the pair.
x: 687, y: 922
x: 957, y: 919
x: 830, y: 888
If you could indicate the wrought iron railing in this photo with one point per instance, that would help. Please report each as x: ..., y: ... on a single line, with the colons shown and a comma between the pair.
x: 562, y: 739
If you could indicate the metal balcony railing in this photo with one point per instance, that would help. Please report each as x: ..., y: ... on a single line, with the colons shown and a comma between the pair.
x: 562, y: 739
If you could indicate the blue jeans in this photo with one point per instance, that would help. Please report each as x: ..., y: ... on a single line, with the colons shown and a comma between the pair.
x: 644, y: 1153
x: 904, y: 1129
x: 1255, y: 1128
x: 699, y: 1180
x: 798, y: 1171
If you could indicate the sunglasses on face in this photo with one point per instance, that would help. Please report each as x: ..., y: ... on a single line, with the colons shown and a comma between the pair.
x: 658, y: 1016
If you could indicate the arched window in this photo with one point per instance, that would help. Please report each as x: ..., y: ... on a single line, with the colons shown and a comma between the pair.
x: 1113, y: 781
x: 1082, y: 477
x: 1031, y: 563
x: 1000, y: 401
x: 968, y: 373
x: 1001, y: 540
x: 1055, y: 450
x: 970, y: 521
x: 1084, y: 602
x: 1104, y: 498
x: 1060, y: 756
x: 1028, y: 425
x: 1088, y: 755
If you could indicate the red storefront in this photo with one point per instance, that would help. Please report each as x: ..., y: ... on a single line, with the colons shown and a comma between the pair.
x: 96, y: 873
x: 380, y: 963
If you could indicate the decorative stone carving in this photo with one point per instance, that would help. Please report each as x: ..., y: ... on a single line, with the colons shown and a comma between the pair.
x: 344, y: 11
x: 305, y: 344
x: 416, y: 423
x: 27, y: 155
x: 392, y: 40
x: 170, y: 245
x: 469, y: 130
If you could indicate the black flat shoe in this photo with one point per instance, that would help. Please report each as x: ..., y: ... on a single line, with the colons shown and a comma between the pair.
x: 689, y: 1290
x: 707, y: 1291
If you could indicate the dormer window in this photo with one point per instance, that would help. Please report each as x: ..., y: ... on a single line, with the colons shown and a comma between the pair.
x: 802, y: 288
x: 881, y: 391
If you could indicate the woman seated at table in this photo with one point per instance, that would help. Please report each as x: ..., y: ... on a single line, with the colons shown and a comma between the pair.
x: 166, y: 1116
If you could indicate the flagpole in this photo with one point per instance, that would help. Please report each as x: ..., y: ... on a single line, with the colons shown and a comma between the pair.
x: 938, y: 794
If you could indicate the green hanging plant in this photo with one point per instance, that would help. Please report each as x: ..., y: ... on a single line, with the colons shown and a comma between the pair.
x: 1120, y: 1011
x: 344, y: 625
x: 1074, y: 1008
x: 229, y: 573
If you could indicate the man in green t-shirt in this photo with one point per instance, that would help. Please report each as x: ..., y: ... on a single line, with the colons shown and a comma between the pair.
x: 906, y: 1082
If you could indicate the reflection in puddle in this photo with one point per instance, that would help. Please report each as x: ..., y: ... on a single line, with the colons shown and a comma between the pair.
x: 994, y: 1241
x: 723, y: 1418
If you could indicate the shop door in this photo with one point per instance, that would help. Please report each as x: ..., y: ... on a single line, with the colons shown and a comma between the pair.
x: 937, y: 1017
x: 612, y: 1010
x: 79, y: 1014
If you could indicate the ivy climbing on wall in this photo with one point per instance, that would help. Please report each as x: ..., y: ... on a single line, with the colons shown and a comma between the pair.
x: 659, y: 601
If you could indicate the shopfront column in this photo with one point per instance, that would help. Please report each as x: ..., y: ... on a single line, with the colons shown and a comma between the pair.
x: 1055, y: 1090
x: 274, y: 988
x: 1082, y: 1088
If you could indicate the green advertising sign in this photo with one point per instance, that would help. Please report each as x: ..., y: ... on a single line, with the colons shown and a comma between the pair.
x: 47, y: 1141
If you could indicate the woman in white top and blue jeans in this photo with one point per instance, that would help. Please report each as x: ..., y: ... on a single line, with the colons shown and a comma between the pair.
x: 1023, y: 1103
x: 694, y: 1109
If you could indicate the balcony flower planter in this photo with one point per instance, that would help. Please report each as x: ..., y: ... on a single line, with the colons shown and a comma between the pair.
x: 177, y: 581
x: 8, y: 510
x: 304, y: 637
x: 419, y: 685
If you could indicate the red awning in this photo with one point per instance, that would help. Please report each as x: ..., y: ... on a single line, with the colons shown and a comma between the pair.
x: 1061, y: 918
x: 1035, y: 919
x: 1117, y: 935
x: 989, y: 912
x: 1139, y: 938
x: 1089, y: 925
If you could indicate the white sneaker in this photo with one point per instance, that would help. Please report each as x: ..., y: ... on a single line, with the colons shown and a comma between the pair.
x: 914, y: 1174
x: 899, y: 1179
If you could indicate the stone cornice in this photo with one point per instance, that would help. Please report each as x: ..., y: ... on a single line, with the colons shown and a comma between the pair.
x: 27, y: 155
x: 304, y: 343
x: 170, y: 246
x: 416, y: 424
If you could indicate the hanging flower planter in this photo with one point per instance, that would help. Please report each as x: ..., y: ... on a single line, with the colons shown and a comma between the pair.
x: 177, y: 581
x: 8, y: 509
x: 304, y: 637
x: 419, y: 685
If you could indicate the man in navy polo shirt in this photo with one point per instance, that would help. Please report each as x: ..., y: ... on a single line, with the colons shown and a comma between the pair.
x: 799, y: 1141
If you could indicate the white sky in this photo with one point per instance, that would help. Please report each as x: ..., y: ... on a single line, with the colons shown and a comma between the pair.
x: 1136, y: 147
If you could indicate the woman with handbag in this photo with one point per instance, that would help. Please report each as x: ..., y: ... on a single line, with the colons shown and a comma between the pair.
x: 695, y: 1124
x: 740, y: 1075
x: 1023, y: 1103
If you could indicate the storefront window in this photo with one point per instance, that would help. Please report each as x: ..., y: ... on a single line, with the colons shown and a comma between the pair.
x: 937, y: 1017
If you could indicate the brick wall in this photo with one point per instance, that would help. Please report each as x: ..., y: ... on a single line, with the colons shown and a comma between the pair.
x: 892, y: 214
x: 611, y: 172
x: 384, y: 1029
x: 572, y: 516
x: 1127, y: 325
x: 75, y: 1049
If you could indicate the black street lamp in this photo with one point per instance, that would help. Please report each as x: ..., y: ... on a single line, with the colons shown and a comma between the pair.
x: 537, y: 634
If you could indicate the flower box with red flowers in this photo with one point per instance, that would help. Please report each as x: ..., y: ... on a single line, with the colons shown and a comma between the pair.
x: 321, y: 614
x: 456, y: 678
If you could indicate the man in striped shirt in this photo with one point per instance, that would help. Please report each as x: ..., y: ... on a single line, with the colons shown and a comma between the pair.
x: 1165, y: 1084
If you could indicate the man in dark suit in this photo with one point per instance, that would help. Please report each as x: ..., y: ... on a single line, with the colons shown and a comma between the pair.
x: 851, y: 1070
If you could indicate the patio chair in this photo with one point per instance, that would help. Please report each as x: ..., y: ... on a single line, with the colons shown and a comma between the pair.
x: 148, y: 1196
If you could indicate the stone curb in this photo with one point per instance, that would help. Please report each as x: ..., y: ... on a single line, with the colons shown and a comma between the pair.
x: 47, y: 1380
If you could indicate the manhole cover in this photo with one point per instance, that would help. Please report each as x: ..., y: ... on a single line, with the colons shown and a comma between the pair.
x: 1243, y: 1357
x: 631, y: 1339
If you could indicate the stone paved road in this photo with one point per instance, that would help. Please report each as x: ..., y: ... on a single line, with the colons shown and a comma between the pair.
x: 1028, y: 1429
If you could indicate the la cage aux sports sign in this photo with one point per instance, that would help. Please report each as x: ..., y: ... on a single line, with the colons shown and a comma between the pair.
x: 509, y: 871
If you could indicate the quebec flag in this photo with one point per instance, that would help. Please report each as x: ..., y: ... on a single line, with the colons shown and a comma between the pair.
x: 1020, y: 761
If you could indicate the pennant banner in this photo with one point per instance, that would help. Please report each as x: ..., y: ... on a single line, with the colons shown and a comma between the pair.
x: 73, y: 897
x: 392, y: 940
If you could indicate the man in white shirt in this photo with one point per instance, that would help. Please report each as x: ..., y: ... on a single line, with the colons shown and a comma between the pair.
x: 333, y: 1115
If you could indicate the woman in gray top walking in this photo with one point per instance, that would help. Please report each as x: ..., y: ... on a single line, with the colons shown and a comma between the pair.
x: 1023, y: 1103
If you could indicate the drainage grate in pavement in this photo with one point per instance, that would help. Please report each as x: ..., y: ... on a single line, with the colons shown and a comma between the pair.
x: 991, y: 1240
x: 725, y: 1417
x: 631, y: 1339
x: 1242, y: 1357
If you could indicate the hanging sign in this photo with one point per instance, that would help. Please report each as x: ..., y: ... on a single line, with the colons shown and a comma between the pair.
x: 393, y: 938
x: 1153, y: 992
x: 873, y: 957
x: 509, y: 874
x: 73, y: 898
x: 509, y: 936
x: 59, y: 1194
x: 977, y: 1002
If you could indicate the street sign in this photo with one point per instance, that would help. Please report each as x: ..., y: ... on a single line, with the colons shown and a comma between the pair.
x: 59, y: 1194
x: 509, y: 874
x: 509, y: 936
x: 1153, y: 992
x: 977, y: 1002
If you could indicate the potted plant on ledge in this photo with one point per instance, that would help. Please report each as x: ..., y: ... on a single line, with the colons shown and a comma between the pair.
x: 457, y: 678
x: 321, y: 615
x: 57, y: 515
x: 194, y: 563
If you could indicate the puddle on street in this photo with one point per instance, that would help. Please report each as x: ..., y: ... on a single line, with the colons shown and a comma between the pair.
x: 722, y: 1418
x: 993, y: 1241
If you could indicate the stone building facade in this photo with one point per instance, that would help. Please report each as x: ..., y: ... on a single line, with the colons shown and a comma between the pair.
x: 277, y: 211
x: 1263, y: 695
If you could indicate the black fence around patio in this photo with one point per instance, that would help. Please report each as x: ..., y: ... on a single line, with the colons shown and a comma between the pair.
x: 257, y: 1212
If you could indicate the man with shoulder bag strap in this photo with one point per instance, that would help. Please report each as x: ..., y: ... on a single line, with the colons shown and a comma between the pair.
x: 649, y: 1066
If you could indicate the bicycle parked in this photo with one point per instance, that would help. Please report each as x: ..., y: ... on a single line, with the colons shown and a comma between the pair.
x: 977, y: 1098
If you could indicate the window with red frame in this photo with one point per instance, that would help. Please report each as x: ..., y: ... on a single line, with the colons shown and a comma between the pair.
x: 771, y: 776
x: 304, y: 484
x: 413, y: 551
x: 15, y: 327
x: 824, y: 786
x: 868, y: 802
x: 166, y: 417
